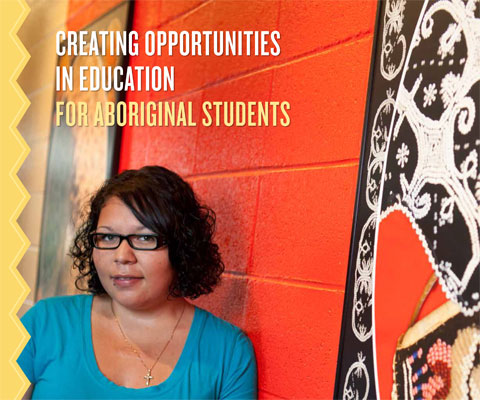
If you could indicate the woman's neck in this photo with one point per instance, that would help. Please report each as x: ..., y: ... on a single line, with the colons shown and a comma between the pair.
x: 163, y: 313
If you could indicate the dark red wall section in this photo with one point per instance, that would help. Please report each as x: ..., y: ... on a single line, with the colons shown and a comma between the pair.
x: 284, y: 196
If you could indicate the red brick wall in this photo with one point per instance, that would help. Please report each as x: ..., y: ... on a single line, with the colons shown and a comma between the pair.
x: 284, y: 196
x: 81, y: 12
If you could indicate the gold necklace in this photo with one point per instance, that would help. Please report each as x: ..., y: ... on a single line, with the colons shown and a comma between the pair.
x: 148, y: 376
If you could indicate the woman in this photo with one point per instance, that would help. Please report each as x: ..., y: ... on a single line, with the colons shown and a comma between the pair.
x: 146, y: 245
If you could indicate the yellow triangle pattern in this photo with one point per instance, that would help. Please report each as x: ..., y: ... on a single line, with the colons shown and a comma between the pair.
x: 13, y: 198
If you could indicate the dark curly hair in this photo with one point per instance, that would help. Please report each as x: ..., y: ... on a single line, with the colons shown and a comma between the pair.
x: 164, y: 203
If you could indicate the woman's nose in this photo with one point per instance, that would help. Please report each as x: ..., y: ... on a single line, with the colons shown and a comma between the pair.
x: 124, y: 254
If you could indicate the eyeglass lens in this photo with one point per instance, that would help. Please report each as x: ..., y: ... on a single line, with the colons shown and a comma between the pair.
x: 112, y: 241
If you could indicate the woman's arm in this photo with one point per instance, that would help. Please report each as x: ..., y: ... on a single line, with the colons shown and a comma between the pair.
x: 241, y: 380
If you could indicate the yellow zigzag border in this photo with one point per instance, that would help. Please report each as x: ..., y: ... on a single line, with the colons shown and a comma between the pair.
x: 13, y: 197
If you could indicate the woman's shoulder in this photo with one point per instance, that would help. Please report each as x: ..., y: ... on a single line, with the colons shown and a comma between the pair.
x: 213, y: 322
x: 62, y: 302
x: 61, y: 308
x: 220, y: 331
x: 228, y: 346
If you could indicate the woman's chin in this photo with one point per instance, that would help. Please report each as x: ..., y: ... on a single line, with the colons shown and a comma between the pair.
x: 136, y: 300
x: 128, y: 297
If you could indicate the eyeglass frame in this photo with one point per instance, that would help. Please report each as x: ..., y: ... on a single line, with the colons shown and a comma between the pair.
x: 160, y: 243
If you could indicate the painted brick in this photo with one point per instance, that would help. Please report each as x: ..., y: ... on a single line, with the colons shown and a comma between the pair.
x: 302, y: 228
x: 296, y: 346
x: 228, y: 301
x: 127, y: 149
x: 263, y: 394
x: 327, y: 96
x: 81, y: 14
x: 174, y: 147
x: 146, y: 16
x: 132, y: 150
x: 307, y: 25
x: 152, y: 15
x: 234, y: 201
x: 234, y: 15
x: 172, y: 9
x: 198, y: 71
x: 225, y: 148
x: 189, y: 74
x: 323, y: 128
x: 189, y: 71
x: 304, y: 223
x: 141, y: 60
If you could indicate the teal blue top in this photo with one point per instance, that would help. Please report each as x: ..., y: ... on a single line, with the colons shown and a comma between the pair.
x: 217, y: 362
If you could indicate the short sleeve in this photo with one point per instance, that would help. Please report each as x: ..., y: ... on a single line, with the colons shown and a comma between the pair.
x: 241, y: 379
x: 26, y: 360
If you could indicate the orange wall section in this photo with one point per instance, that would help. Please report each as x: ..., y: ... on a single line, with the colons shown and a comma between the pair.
x: 284, y: 196
x: 81, y: 12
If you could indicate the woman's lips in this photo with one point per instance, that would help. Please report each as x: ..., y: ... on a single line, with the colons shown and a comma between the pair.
x: 126, y: 281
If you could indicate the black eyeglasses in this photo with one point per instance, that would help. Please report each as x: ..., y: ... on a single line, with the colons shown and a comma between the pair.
x: 112, y: 241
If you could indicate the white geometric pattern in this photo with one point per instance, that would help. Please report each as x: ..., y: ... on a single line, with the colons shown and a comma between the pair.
x: 440, y: 189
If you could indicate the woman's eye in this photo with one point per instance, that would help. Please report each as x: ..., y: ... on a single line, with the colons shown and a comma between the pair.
x: 106, y: 238
x: 146, y: 238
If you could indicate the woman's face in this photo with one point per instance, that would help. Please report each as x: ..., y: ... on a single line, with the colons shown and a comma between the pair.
x: 136, y: 279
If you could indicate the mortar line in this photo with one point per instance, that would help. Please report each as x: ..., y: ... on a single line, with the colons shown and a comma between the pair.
x: 291, y: 282
x: 350, y: 41
x: 197, y: 139
x: 254, y: 227
x: 260, y: 171
x: 182, y: 15
x: 319, y: 51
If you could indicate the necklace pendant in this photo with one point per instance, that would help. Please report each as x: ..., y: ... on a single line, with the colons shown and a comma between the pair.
x: 148, y: 378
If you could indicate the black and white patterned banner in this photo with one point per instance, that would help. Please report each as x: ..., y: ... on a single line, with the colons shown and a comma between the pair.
x: 420, y: 155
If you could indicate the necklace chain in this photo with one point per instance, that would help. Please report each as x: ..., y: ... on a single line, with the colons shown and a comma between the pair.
x: 148, y: 376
